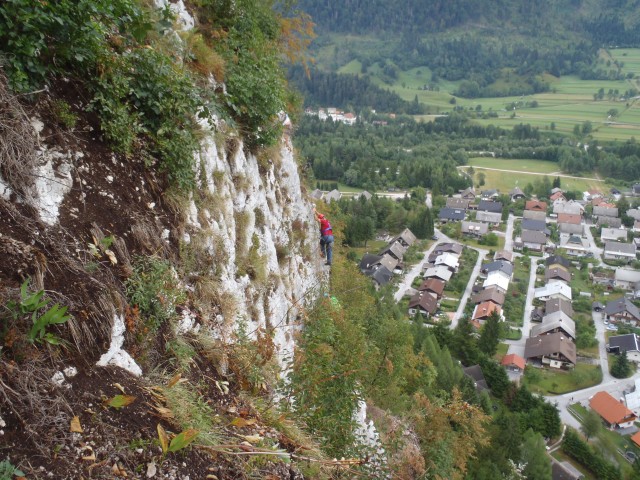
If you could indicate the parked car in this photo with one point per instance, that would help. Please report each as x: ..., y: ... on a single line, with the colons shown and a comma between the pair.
x: 613, y: 328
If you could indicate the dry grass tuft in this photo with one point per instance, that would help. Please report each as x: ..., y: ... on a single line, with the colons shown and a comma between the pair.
x: 18, y: 144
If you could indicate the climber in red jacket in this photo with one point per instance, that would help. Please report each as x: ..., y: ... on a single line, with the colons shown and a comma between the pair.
x: 326, y: 237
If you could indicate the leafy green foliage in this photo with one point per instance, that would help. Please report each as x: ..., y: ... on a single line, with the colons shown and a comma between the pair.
x: 577, y: 448
x: 154, y: 288
x: 621, y: 368
x: 32, y: 304
x: 8, y: 471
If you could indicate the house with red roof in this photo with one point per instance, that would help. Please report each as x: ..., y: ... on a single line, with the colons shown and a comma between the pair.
x: 513, y: 362
x: 535, y: 205
x: 614, y: 413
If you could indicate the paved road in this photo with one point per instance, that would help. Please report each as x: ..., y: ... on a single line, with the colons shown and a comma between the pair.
x: 508, y: 241
x: 598, y: 320
x: 593, y: 248
x: 517, y: 346
x: 406, y: 282
x: 467, y: 292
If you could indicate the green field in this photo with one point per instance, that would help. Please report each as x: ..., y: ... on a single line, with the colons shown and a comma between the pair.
x: 555, y: 382
x: 569, y: 103
x: 523, y: 165
x: 504, y: 181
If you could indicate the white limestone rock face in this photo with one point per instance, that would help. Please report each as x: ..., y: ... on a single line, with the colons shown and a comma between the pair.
x: 116, y: 355
x: 257, y: 203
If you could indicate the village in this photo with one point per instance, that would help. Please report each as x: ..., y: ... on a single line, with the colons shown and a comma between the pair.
x: 562, y: 279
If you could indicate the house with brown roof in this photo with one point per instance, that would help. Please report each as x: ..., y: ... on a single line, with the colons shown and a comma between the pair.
x: 570, y: 223
x: 555, y: 350
x: 513, y: 362
x: 468, y: 193
x: 557, y: 196
x: 534, y: 215
x: 615, y: 414
x: 395, y: 249
x: 425, y: 303
x: 491, y: 294
x: 433, y: 285
x: 532, y: 240
x: 557, y: 272
x: 558, y: 305
x: 516, y: 194
x: 457, y: 203
x: 535, y: 205
x: 483, y: 311
x: 406, y: 238
x: 503, y: 255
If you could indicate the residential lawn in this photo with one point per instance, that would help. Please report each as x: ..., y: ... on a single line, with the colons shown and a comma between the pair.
x: 472, y: 242
x: 458, y: 283
x: 373, y: 246
x: 503, y: 348
x: 513, y: 334
x: 548, y: 382
x: 516, y: 296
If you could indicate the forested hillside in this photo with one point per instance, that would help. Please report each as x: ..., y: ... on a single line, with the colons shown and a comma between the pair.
x: 497, y: 48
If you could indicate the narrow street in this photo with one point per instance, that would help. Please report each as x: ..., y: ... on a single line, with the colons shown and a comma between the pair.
x: 467, y: 292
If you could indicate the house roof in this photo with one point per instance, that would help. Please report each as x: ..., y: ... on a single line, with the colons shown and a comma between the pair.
x: 559, y: 259
x: 534, y: 214
x: 622, y: 305
x: 612, y: 222
x: 451, y: 214
x: 497, y: 278
x: 490, y: 206
x: 497, y: 265
x: 553, y: 321
x: 492, y: 192
x: 549, y: 344
x: 490, y: 294
x: 489, y: 217
x: 605, y: 211
x: 634, y: 213
x: 457, y: 203
x: 610, y: 409
x: 635, y: 438
x: 553, y: 288
x: 332, y: 195
x: 427, y: 301
x: 503, y: 255
x: 571, y: 206
x: 620, y: 248
x: 533, y: 224
x: 370, y: 263
x: 477, y: 228
x: 536, y: 205
x: 468, y: 192
x: 626, y: 343
x: 558, y: 305
x: 406, y: 237
x: 557, y: 272
x: 556, y: 196
x: 395, y: 249
x: 484, y: 309
x: 513, y: 360
x: 382, y: 275
x: 435, y: 285
x: 364, y: 194
x: 448, y: 247
x: 531, y: 236
x: 517, y: 191
x: 626, y: 275
x: 574, y: 219
x: 440, y: 272
x: 613, y: 234
x: 316, y: 194
x: 475, y: 373
x: 448, y: 259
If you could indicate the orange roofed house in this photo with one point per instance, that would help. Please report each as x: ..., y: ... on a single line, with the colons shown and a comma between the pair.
x: 513, y: 362
x: 614, y: 413
x: 536, y: 206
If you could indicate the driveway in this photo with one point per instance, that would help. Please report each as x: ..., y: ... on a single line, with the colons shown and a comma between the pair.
x: 508, y: 240
x: 593, y: 248
x: 408, y: 278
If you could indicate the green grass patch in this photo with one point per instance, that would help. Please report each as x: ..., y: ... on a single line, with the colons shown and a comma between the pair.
x: 503, y: 348
x: 513, y: 334
x: 522, y: 165
x: 556, y: 382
